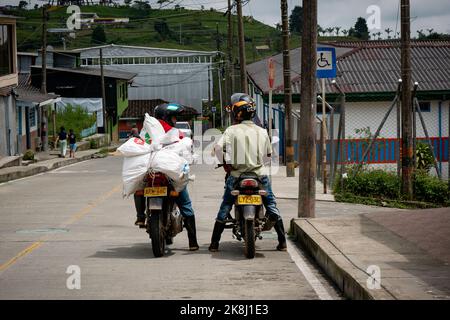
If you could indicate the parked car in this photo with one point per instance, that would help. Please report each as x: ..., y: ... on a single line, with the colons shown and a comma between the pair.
x: 185, y: 128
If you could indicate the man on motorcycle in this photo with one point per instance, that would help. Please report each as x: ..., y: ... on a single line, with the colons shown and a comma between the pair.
x: 235, y: 140
x: 167, y: 115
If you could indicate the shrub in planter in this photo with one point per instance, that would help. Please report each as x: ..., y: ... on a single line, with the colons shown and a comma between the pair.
x: 29, y: 155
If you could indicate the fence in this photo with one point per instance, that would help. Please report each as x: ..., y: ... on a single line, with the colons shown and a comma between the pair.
x: 89, y: 131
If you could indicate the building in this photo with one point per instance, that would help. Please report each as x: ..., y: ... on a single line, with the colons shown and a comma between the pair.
x: 167, y: 74
x: 368, y: 73
x: 82, y: 86
x: 8, y: 83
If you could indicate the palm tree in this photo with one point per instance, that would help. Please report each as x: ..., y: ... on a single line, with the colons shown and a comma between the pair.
x: 388, y: 31
x: 320, y: 30
x: 330, y: 31
x: 345, y: 32
x: 420, y: 33
x: 379, y: 35
x: 430, y: 31
x: 337, y: 30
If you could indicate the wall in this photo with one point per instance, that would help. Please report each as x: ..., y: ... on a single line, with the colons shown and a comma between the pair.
x: 8, y: 126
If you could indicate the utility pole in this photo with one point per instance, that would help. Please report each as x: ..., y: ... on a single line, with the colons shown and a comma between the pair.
x: 242, y: 63
x: 103, y: 93
x: 44, y: 49
x: 230, y: 78
x: 307, y: 135
x: 289, y: 146
x: 406, y: 114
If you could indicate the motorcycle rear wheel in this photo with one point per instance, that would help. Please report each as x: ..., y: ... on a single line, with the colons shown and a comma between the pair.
x: 249, y: 239
x: 157, y: 233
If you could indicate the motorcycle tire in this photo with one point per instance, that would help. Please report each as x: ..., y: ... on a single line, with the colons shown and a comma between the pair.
x: 249, y: 239
x: 157, y: 234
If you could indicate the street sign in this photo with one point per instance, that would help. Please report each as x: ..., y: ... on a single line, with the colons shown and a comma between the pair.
x: 326, y: 62
x: 213, y: 109
x: 271, y: 73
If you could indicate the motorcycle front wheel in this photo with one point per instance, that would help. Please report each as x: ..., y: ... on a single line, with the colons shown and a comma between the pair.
x: 157, y: 233
x: 249, y: 239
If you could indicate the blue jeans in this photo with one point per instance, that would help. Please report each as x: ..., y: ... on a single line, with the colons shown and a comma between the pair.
x: 184, y: 203
x: 228, y: 199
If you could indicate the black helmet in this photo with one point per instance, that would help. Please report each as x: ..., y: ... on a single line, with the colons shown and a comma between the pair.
x: 166, y: 111
x: 243, y: 102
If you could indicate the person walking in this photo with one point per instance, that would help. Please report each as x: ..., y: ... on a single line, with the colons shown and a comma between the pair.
x: 72, y: 144
x: 62, y: 139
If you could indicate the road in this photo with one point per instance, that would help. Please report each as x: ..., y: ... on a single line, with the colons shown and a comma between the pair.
x: 74, y: 220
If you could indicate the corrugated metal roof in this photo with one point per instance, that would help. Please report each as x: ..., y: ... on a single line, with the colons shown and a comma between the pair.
x: 374, y: 66
x: 113, y: 50
x: 108, y: 73
x: 137, y: 108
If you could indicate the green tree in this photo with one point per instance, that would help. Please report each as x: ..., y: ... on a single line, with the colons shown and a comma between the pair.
x: 23, y: 4
x: 296, y: 20
x: 98, y: 35
x: 360, y: 30
x: 162, y: 28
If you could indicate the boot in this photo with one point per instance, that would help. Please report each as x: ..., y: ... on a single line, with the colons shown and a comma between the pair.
x: 279, y: 228
x: 189, y: 223
x: 215, y: 238
x: 139, y: 203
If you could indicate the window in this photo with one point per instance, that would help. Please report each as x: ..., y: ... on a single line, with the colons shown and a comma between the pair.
x: 6, y: 50
x: 425, y: 106
x: 32, y: 116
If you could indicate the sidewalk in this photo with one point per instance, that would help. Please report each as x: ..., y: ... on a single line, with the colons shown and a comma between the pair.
x: 47, y: 161
x: 287, y: 187
x: 410, y: 248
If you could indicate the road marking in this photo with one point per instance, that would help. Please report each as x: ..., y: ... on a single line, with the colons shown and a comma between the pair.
x: 315, y: 283
x: 77, y: 216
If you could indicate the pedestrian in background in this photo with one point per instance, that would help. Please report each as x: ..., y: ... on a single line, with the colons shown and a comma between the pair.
x: 62, y: 138
x: 72, y: 144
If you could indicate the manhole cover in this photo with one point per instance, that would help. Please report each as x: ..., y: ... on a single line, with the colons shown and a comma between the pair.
x: 45, y: 230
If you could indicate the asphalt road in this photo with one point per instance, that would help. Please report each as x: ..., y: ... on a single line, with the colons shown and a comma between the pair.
x: 69, y: 234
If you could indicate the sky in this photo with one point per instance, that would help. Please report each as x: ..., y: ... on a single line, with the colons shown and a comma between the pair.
x: 425, y: 14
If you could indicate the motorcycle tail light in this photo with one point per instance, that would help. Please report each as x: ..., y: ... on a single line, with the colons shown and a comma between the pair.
x: 157, y: 180
x: 249, y: 183
x: 174, y: 193
x: 262, y: 192
x: 235, y: 192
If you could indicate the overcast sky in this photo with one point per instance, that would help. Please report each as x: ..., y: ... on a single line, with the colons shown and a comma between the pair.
x: 426, y: 14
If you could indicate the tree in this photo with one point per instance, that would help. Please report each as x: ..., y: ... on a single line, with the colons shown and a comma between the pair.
x: 141, y: 5
x: 127, y: 2
x: 23, y: 4
x: 296, y: 20
x: 98, y: 35
x: 162, y: 28
x: 337, y: 30
x: 360, y: 30
x: 388, y: 31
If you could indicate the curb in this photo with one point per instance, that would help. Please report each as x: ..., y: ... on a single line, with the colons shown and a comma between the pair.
x: 349, y: 279
x: 34, y: 169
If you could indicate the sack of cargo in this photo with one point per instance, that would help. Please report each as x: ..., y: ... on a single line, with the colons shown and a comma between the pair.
x: 152, y: 130
x: 134, y: 147
x: 172, y: 165
x: 134, y: 170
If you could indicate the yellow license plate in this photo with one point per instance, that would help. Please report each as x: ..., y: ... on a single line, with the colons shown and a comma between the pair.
x: 250, y: 200
x: 155, y: 192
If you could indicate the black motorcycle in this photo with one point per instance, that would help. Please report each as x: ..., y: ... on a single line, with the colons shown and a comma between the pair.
x: 164, y: 220
x: 249, y: 218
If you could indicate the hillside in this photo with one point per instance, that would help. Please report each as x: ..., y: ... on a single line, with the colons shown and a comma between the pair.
x: 183, y: 29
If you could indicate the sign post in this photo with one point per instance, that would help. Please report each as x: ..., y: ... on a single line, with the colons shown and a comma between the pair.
x: 271, y: 82
x: 326, y: 68
x: 213, y: 110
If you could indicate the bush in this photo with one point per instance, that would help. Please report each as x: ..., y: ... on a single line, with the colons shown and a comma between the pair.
x: 29, y: 155
x: 370, y: 183
x: 379, y: 184
x: 424, y: 156
x: 93, y: 144
x: 430, y: 189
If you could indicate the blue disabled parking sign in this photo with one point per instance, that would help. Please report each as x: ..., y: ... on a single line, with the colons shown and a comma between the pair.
x: 326, y: 62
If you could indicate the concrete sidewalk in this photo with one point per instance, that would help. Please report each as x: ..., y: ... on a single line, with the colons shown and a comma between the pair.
x: 410, y: 249
x: 47, y: 161
x: 287, y: 187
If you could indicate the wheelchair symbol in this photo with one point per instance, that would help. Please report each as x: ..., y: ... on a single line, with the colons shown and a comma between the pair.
x: 322, y: 62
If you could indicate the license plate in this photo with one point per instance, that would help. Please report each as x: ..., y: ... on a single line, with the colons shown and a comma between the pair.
x: 250, y: 200
x: 155, y: 192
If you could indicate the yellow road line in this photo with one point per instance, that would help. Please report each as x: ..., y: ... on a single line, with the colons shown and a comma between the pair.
x: 72, y: 220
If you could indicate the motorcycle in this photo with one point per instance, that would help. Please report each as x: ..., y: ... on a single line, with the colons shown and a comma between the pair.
x: 249, y: 218
x: 164, y: 220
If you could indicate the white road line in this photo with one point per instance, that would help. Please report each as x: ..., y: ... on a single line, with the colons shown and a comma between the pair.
x: 315, y: 283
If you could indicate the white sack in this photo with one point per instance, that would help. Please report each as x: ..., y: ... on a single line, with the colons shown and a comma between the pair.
x: 152, y: 130
x: 134, y: 170
x: 172, y: 165
x: 134, y: 147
